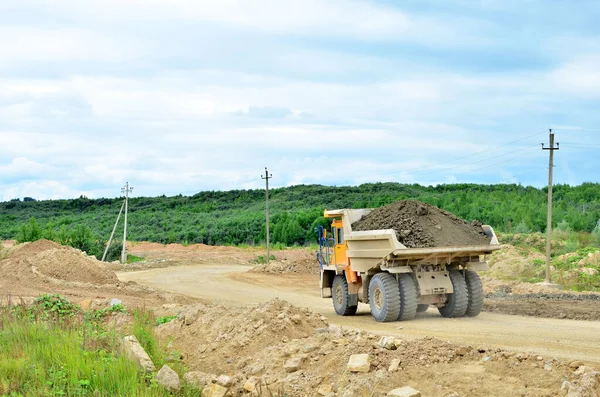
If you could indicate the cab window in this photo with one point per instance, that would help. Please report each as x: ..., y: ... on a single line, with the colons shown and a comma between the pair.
x: 340, y: 236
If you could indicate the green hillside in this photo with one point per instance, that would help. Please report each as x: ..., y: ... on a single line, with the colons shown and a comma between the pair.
x: 237, y: 216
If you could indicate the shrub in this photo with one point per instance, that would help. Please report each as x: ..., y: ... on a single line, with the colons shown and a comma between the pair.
x: 30, y: 231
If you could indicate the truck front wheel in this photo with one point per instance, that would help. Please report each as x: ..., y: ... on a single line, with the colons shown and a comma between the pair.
x: 341, y: 298
x: 384, y: 297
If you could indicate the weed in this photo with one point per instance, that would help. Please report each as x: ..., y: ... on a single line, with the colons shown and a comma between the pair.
x: 262, y: 259
x: 133, y: 259
x: 165, y: 319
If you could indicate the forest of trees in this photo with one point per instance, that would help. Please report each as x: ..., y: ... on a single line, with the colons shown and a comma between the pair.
x: 238, y: 217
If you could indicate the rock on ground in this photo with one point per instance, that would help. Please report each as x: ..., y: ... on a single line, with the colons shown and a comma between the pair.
x: 214, y: 390
x: 168, y: 378
x: 359, y: 363
x: 405, y: 391
x: 199, y: 379
x: 135, y: 351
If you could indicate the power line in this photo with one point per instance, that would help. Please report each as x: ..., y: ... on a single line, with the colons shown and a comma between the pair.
x: 462, y: 158
x: 477, y: 162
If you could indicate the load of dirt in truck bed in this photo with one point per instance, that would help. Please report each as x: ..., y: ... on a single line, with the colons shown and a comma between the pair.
x: 421, y: 225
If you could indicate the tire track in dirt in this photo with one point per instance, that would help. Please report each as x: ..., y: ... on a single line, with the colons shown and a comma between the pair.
x: 233, y: 285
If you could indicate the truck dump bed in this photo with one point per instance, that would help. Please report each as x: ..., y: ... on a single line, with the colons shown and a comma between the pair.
x: 373, y: 248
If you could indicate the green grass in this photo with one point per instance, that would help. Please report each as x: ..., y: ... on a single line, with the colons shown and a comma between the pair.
x: 133, y: 259
x: 165, y: 319
x: 44, y: 352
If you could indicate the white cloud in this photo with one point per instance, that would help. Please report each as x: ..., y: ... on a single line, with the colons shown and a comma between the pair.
x: 579, y: 77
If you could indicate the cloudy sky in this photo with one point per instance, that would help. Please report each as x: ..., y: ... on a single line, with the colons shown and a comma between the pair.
x: 178, y: 96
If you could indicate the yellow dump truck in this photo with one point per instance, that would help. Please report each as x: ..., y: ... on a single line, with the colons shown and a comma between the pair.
x: 397, y: 282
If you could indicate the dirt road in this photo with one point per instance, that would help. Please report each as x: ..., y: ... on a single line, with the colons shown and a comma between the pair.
x: 233, y: 285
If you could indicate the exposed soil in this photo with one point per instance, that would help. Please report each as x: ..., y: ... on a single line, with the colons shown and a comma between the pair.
x: 255, y: 346
x: 420, y: 225
x: 43, y: 266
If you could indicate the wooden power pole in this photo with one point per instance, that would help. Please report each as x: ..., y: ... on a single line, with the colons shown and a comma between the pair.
x: 266, y: 178
x: 551, y: 149
x: 125, y: 190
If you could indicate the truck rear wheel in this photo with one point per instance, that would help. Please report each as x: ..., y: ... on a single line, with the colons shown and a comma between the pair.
x: 384, y: 297
x: 457, y: 303
x: 341, y: 298
x: 475, y: 288
x: 408, y: 297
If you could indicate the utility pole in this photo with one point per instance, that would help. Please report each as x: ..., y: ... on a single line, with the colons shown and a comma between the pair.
x: 113, y: 232
x: 125, y: 190
x: 551, y: 148
x: 266, y: 178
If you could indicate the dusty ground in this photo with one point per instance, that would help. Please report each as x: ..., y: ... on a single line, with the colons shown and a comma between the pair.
x: 233, y: 285
x: 44, y: 267
x: 251, y: 324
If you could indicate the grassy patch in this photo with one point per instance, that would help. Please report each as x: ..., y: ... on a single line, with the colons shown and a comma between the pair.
x: 165, y: 319
x: 133, y: 259
x: 52, y: 348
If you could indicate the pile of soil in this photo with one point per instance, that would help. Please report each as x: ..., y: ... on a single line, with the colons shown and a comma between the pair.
x: 215, y: 337
x: 47, y: 259
x: 290, y: 351
x: 30, y: 269
x: 421, y: 225
x: 300, y: 261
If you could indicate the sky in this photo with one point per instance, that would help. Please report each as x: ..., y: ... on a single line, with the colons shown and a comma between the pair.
x: 181, y: 96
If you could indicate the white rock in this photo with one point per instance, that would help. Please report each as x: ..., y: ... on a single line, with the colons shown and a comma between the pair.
x: 115, y: 301
x: 405, y: 391
x: 224, y: 380
x: 214, y: 390
x: 293, y: 364
x: 168, y: 378
x: 250, y: 385
x: 325, y: 389
x: 135, y: 351
x: 387, y: 342
x: 395, y: 364
x: 589, y: 271
x: 199, y: 379
x: 359, y: 363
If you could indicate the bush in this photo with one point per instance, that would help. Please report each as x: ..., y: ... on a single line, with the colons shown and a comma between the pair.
x: 522, y: 228
x: 30, y: 231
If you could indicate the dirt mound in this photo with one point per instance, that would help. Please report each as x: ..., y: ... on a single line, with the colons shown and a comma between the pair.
x: 215, y: 337
x: 46, y: 259
x: 31, y: 269
x: 289, y: 351
x: 33, y: 248
x: 421, y: 225
x: 512, y: 263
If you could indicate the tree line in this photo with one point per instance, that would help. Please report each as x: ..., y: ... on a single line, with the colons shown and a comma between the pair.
x: 237, y: 216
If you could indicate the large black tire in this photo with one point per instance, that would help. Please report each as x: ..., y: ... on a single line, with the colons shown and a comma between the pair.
x: 475, y: 288
x: 384, y: 297
x: 341, y: 298
x: 422, y: 308
x: 408, y: 297
x: 457, y: 303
